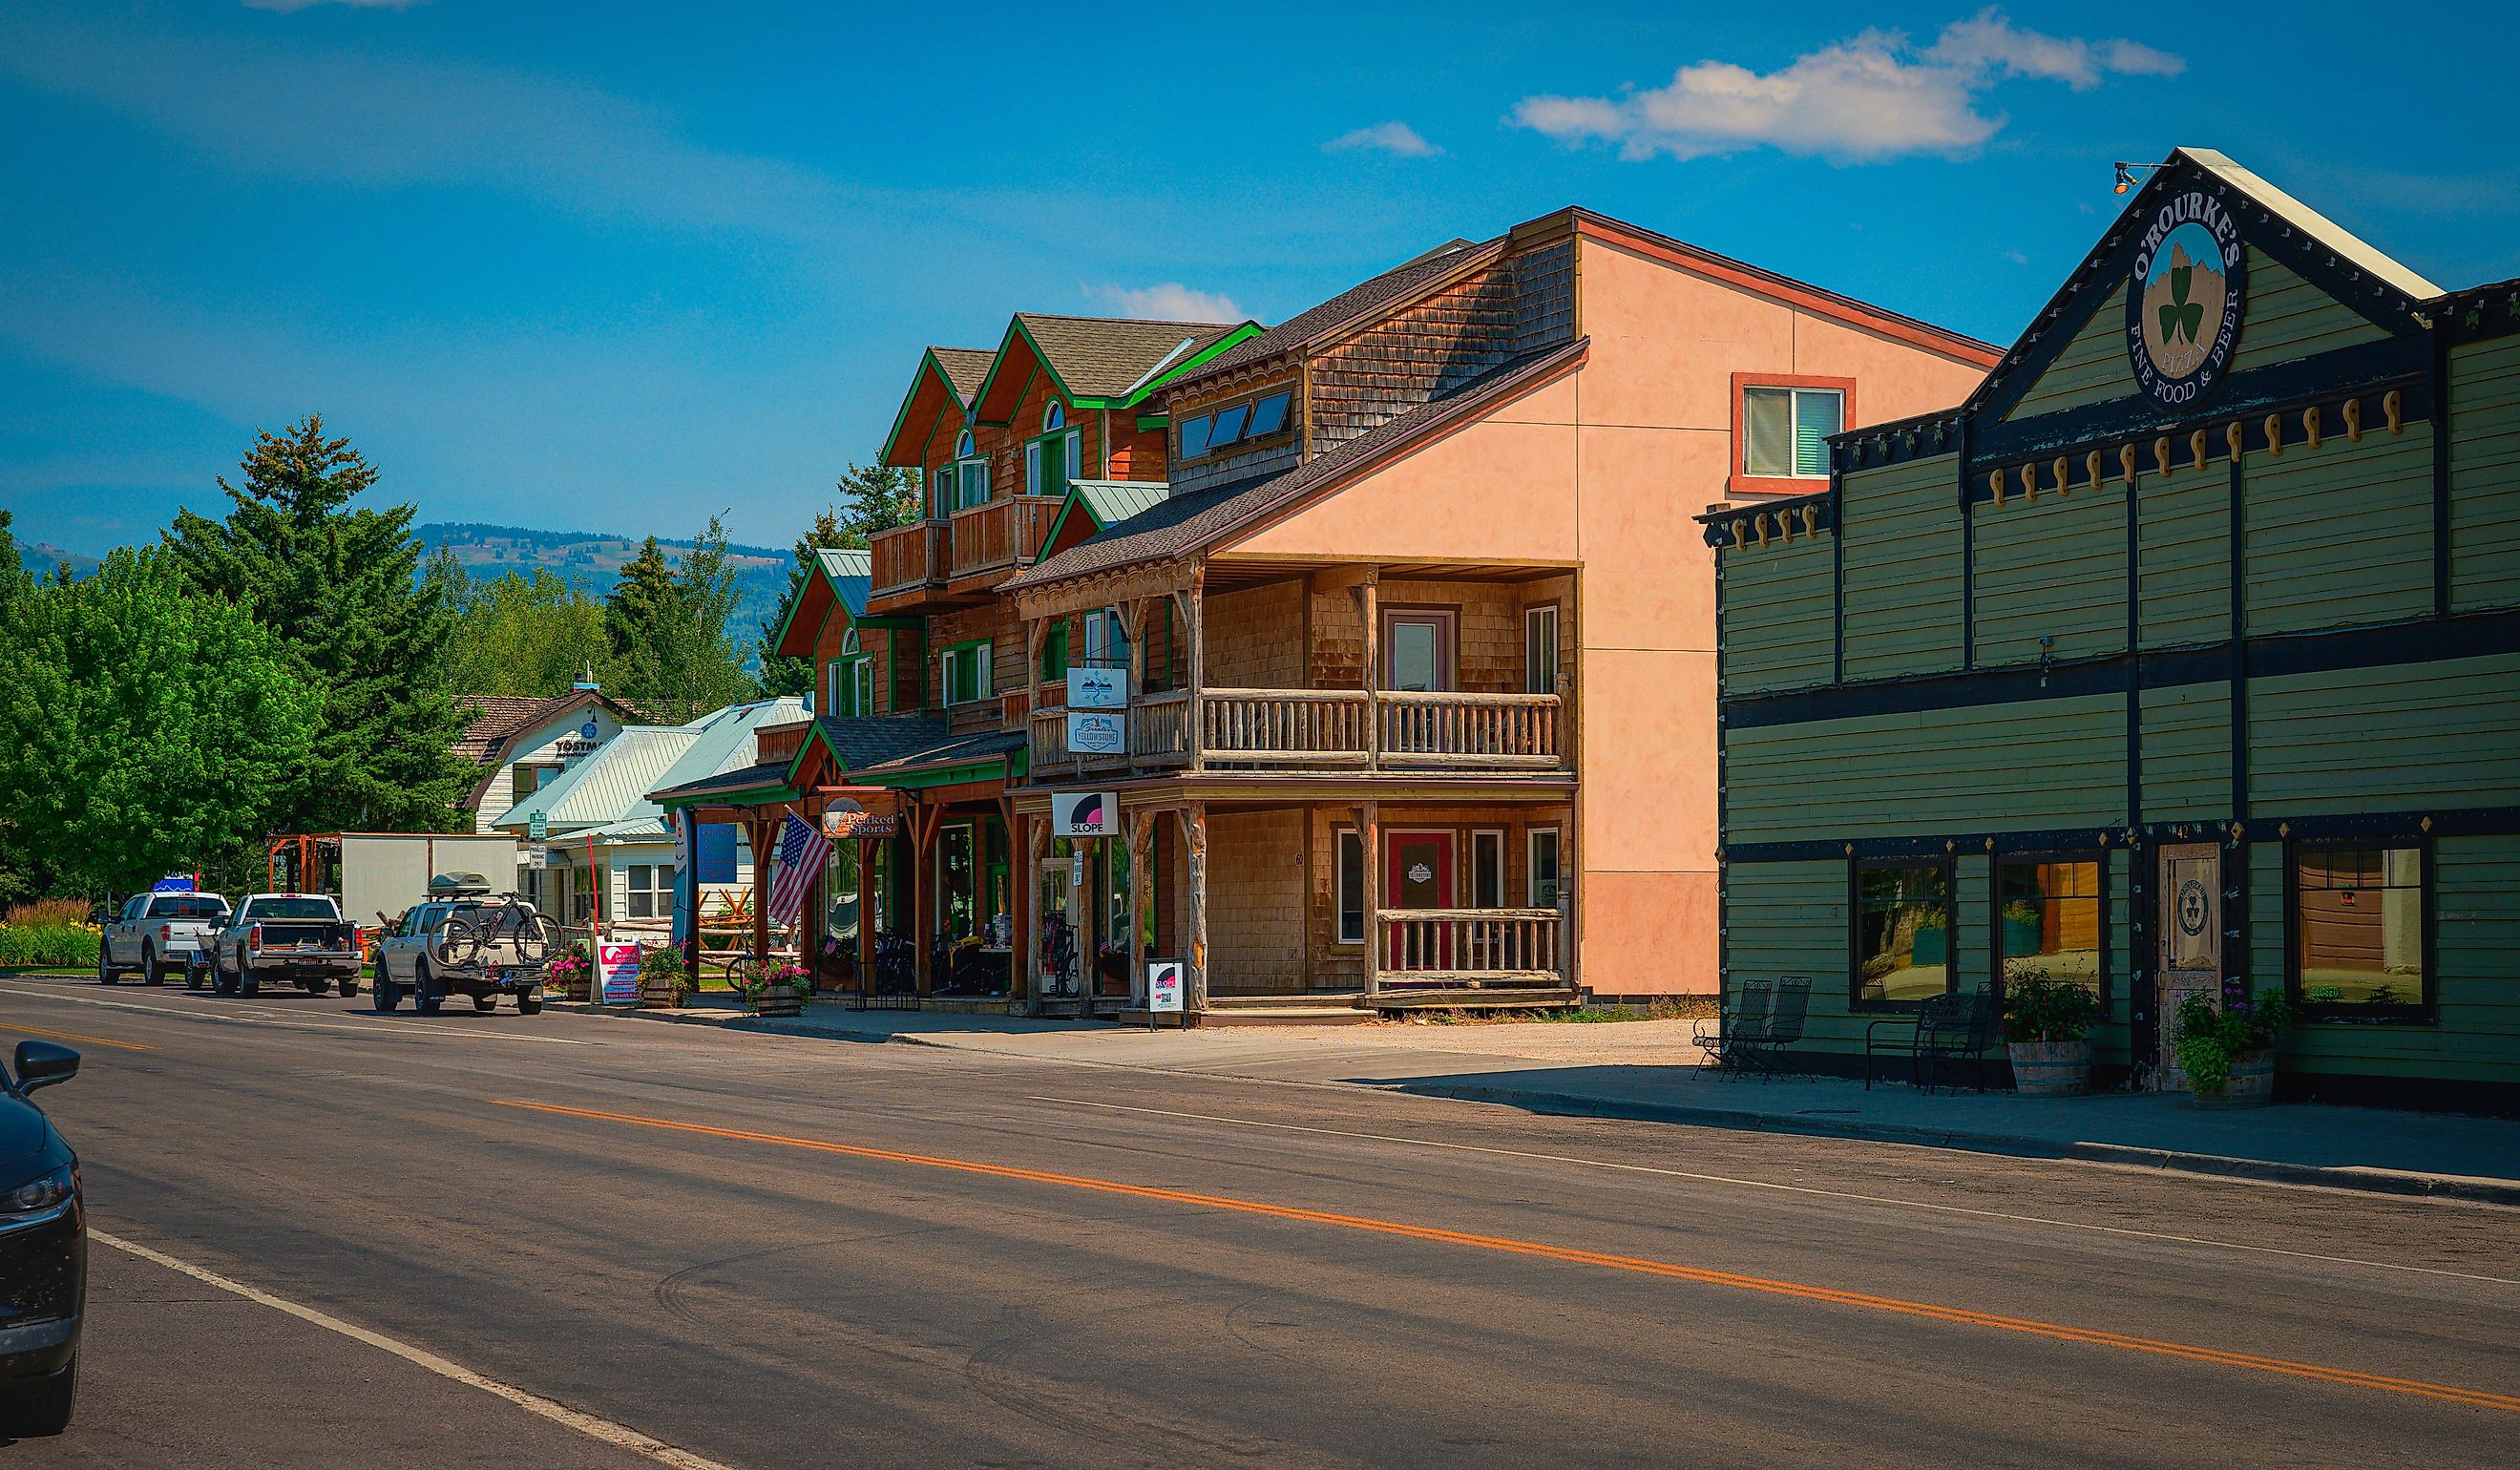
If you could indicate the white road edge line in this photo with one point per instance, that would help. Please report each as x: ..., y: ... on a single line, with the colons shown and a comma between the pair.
x: 621, y: 1435
x: 1718, y: 1179
x: 388, y: 1025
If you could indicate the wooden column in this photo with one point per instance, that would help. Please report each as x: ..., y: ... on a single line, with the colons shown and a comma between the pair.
x: 1368, y: 832
x: 1368, y: 608
x: 1087, y: 916
x: 1194, y: 821
x: 1570, y: 896
x: 1132, y: 623
x: 1014, y: 898
x: 1194, y: 625
x: 922, y: 896
x: 1036, y: 632
x: 866, y: 918
x: 761, y: 838
x: 1142, y: 896
x: 1036, y: 841
x: 688, y: 881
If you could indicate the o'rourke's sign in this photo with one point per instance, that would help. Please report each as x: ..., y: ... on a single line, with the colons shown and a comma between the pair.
x: 1084, y: 814
x: 2183, y: 299
x: 844, y: 818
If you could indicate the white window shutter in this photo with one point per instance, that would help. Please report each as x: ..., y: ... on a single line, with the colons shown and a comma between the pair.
x: 1032, y: 468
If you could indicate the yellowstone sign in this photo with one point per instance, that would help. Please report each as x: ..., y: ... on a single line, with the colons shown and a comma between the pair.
x: 2183, y: 300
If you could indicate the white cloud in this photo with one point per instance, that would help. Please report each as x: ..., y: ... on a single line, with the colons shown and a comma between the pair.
x: 1397, y: 138
x: 1171, y: 301
x: 1871, y: 97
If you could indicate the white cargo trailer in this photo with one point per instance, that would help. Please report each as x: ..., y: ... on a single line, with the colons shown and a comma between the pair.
x: 386, y: 873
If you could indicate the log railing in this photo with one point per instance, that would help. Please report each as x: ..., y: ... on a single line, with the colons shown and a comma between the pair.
x: 909, y: 556
x: 1000, y: 533
x: 1326, y: 728
x: 1478, y: 948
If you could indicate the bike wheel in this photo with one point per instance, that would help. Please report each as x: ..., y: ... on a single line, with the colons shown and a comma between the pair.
x: 454, y: 943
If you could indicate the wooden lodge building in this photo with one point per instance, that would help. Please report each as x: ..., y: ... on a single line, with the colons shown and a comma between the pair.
x: 2183, y: 655
x: 1352, y: 579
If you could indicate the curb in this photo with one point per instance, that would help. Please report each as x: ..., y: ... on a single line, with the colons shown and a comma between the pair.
x: 2367, y: 1180
x: 1576, y: 1105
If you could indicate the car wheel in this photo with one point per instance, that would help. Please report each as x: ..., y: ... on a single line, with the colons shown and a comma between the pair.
x: 195, y: 975
x: 349, y: 987
x: 106, y: 973
x: 426, y: 997
x: 385, y: 994
x: 529, y: 1006
x: 149, y: 974
x: 314, y: 987
x: 246, y: 981
x: 485, y: 1004
x: 41, y: 1408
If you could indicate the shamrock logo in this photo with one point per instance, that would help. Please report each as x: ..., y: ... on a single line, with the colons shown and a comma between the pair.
x: 2180, y: 317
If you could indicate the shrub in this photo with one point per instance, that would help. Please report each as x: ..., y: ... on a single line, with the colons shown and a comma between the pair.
x: 664, y: 963
x: 2039, y: 1007
x: 2209, y: 1038
x: 51, y: 913
x: 47, y: 946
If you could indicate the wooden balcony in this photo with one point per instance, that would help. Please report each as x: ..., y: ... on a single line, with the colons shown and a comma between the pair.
x: 1001, y: 535
x: 1348, y: 729
x: 1467, y: 949
x: 909, y: 557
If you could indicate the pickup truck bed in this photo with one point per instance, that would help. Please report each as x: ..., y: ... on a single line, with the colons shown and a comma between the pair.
x: 294, y: 937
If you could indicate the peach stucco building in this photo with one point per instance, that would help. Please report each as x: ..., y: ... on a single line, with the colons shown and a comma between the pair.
x: 1421, y: 637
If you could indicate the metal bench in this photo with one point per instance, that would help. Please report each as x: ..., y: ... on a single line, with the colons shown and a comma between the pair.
x: 1753, y: 1042
x: 1959, y: 1025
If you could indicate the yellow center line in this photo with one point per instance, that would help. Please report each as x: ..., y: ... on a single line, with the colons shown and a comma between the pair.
x: 14, y: 1029
x: 2349, y: 1377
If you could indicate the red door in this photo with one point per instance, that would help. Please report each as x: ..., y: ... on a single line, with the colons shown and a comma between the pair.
x: 1417, y: 873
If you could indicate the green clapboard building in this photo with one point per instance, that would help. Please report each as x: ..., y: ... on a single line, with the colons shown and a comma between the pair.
x: 2183, y: 655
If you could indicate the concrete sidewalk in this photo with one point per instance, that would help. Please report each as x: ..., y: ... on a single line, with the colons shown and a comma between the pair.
x: 1647, y: 1070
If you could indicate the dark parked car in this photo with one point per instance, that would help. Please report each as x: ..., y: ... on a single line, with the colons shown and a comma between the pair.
x: 43, y: 1251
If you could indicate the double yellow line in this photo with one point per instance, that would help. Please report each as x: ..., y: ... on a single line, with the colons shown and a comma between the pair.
x: 2317, y: 1372
x: 11, y: 1028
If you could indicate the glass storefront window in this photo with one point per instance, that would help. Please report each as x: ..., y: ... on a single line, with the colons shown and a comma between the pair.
x: 2049, y: 918
x: 1903, y: 932
x: 2359, y: 920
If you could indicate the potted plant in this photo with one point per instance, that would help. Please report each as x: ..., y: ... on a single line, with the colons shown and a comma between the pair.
x: 662, y: 980
x: 2229, y: 1051
x: 2047, y: 1033
x: 782, y: 992
x: 572, y: 975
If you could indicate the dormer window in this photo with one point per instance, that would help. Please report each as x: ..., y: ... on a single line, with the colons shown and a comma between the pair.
x: 1235, y: 424
x: 1055, y: 417
x: 963, y: 445
x: 1056, y: 460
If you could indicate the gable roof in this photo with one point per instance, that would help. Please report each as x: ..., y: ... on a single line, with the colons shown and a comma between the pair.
x: 498, y: 719
x: 1097, y: 362
x: 1350, y: 306
x: 965, y: 368
x: 946, y: 377
x: 2310, y: 222
x: 842, y: 575
x: 612, y: 786
x: 1183, y: 523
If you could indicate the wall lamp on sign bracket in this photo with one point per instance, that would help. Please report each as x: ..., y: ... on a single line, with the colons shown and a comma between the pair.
x: 2125, y: 179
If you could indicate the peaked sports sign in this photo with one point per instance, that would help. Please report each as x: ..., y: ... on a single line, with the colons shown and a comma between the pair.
x: 2183, y: 299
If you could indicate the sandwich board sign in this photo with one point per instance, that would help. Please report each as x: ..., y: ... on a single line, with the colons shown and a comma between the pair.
x: 1164, y: 989
x: 1097, y: 688
x: 618, y: 966
x: 1084, y: 814
x: 1098, y: 732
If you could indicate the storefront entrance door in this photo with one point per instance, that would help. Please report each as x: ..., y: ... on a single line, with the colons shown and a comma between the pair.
x: 1418, y: 875
x: 2190, y: 921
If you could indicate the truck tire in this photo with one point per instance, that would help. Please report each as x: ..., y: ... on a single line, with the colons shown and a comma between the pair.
x: 247, y: 983
x: 222, y: 982
x: 529, y: 1006
x: 106, y: 973
x: 426, y: 997
x: 150, y: 972
x: 386, y: 995
x: 349, y: 986
x: 42, y: 1409
x: 196, y: 974
x: 485, y: 1005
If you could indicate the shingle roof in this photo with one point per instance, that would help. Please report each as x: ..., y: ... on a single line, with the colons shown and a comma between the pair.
x: 741, y: 778
x: 863, y: 740
x: 1186, y: 521
x: 498, y: 719
x: 965, y: 368
x: 952, y: 752
x: 1349, y: 305
x: 614, y: 783
x: 1105, y: 357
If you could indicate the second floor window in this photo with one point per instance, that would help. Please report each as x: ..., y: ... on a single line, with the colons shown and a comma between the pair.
x: 1785, y: 431
x: 1235, y: 424
x: 1056, y: 460
x: 964, y: 674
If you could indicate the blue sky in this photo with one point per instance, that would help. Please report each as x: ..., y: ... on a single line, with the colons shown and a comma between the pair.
x: 619, y: 266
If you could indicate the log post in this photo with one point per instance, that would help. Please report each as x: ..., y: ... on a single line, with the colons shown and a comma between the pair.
x: 1193, y: 821
x: 1194, y: 621
x: 866, y: 919
x: 1133, y: 625
x: 761, y: 891
x: 1014, y: 898
x: 1036, y: 840
x: 1142, y: 896
x: 1036, y: 632
x: 1368, y: 609
x: 922, y: 896
x: 1368, y: 830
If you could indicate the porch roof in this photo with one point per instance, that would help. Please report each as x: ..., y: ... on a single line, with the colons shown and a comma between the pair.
x: 959, y: 759
x: 759, y: 784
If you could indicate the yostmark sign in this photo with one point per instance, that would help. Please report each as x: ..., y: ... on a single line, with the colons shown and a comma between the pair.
x: 2183, y: 299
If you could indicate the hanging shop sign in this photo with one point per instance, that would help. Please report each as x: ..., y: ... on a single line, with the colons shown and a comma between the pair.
x: 1098, y: 732
x: 2183, y: 299
x: 1097, y: 688
x: 844, y: 818
x: 1084, y: 814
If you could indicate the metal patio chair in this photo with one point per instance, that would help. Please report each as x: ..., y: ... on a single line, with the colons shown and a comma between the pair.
x: 1765, y: 1052
x: 1736, y: 1028
x: 1944, y: 1028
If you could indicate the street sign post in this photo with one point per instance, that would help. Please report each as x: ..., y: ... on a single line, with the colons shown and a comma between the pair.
x: 538, y: 826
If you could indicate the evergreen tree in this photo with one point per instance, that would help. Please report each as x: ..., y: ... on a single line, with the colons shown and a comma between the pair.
x: 340, y: 587
x: 876, y: 497
x: 795, y: 676
x: 145, y: 727
x: 675, y: 653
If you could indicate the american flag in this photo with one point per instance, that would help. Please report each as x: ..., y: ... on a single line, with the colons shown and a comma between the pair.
x: 801, y: 850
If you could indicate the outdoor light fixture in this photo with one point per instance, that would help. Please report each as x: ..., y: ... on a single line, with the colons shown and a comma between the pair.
x: 2128, y: 171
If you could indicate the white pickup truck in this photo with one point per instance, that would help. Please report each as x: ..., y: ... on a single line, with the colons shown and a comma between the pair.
x: 157, y: 934
x: 287, y: 936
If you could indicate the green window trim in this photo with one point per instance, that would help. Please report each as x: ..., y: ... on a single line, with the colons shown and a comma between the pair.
x: 962, y: 671
x: 1053, y: 652
x: 2357, y: 911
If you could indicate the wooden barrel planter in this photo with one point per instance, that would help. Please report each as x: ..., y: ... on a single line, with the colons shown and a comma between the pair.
x: 659, y: 992
x: 2050, y: 1069
x: 778, y: 1001
x: 2252, y: 1083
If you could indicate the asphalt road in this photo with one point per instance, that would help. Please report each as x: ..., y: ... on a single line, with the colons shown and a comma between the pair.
x: 764, y: 1251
